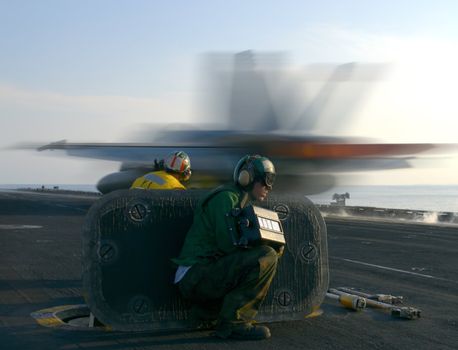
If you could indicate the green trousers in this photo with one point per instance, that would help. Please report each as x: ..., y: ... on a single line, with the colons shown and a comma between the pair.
x: 231, y: 288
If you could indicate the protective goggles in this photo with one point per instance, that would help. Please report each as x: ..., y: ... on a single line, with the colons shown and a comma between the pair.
x: 269, y: 179
x: 186, y: 173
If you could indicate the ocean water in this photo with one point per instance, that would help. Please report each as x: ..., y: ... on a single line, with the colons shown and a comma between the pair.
x: 438, y: 198
x: 424, y: 197
x: 83, y: 187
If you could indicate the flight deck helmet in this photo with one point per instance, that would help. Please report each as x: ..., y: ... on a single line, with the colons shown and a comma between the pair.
x: 253, y: 168
x: 178, y: 163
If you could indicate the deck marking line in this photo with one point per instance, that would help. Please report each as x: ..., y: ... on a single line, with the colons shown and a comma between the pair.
x: 16, y: 227
x: 393, y: 269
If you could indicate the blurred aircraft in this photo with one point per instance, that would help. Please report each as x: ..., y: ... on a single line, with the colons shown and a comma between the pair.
x: 263, y: 113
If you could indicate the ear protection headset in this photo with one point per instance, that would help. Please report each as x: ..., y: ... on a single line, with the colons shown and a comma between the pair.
x: 244, y: 173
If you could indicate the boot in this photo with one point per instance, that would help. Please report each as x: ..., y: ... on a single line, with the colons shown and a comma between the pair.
x: 242, y: 331
x: 203, y: 318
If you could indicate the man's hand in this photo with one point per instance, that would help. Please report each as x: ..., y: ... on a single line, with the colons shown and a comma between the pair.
x: 280, y: 250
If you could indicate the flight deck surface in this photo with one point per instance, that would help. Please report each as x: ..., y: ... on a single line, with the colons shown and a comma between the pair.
x: 40, y: 268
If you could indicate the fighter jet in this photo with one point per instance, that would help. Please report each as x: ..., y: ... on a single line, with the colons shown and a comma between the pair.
x: 260, y: 112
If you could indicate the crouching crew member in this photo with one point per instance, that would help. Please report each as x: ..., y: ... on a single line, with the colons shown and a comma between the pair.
x: 224, y: 282
x: 169, y: 174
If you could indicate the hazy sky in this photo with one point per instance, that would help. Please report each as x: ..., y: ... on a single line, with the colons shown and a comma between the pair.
x: 89, y: 70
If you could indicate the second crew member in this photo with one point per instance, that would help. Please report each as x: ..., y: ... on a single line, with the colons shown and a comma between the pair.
x: 176, y: 169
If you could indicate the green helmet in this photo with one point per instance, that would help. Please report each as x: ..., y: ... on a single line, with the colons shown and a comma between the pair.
x: 253, y: 168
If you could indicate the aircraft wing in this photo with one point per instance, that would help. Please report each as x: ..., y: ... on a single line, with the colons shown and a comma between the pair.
x: 326, y: 155
x: 139, y: 152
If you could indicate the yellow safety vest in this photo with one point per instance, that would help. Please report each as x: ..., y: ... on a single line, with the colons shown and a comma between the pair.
x: 157, y: 180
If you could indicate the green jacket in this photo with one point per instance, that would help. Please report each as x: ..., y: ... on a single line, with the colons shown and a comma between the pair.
x: 211, y: 234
